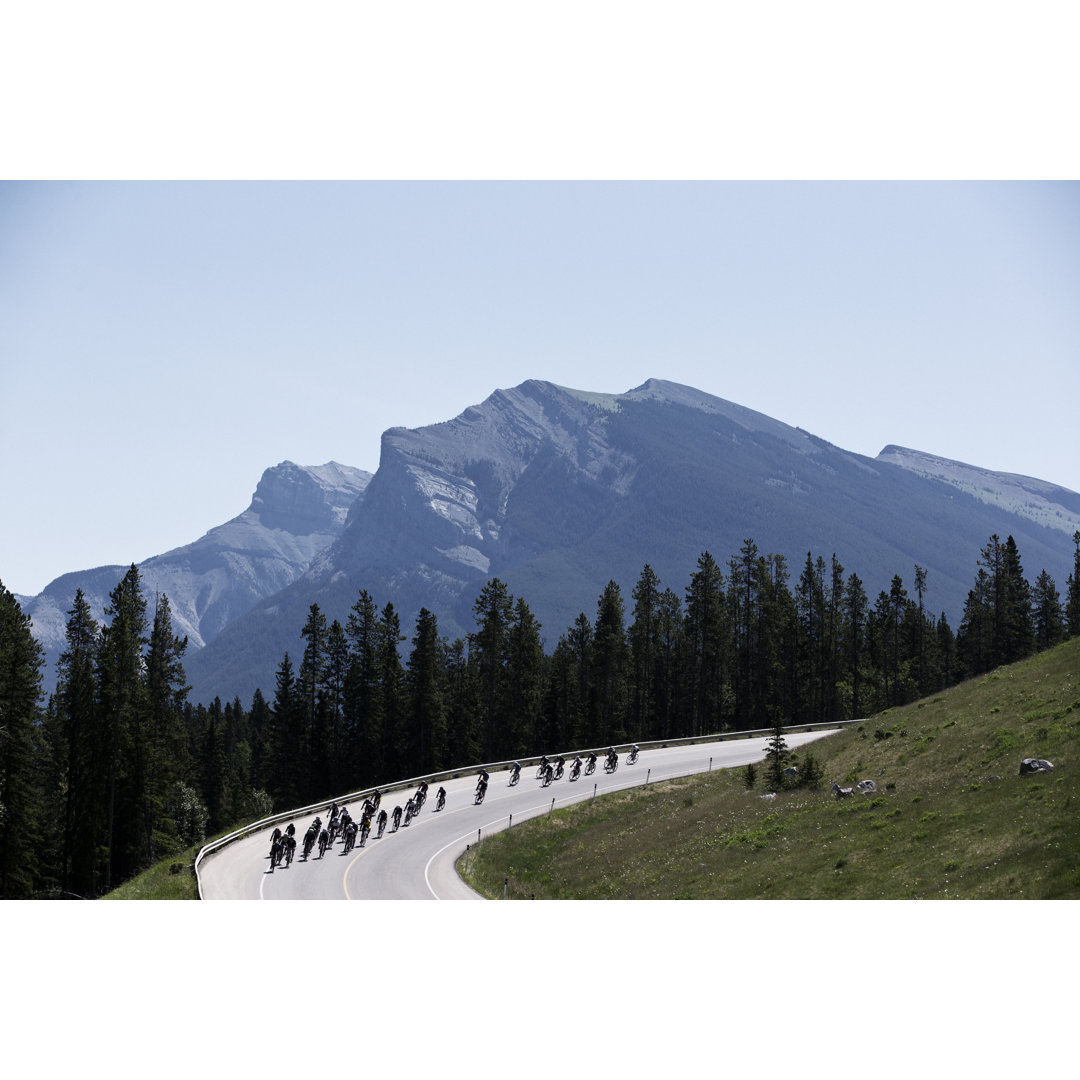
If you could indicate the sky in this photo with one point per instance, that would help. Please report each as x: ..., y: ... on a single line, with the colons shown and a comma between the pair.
x: 162, y: 343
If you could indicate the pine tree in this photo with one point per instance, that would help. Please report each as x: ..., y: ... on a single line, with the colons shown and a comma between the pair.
x: 856, y: 610
x: 214, y: 766
x: 167, y: 689
x: 668, y: 693
x: 579, y: 639
x: 560, y: 701
x: 776, y: 756
x: 975, y: 636
x: 76, y: 694
x: 361, y: 715
x: 463, y: 741
x: 335, y: 675
x: 260, y: 725
x: 1072, y: 594
x: 387, y: 757
x: 124, y: 713
x: 425, y: 748
x: 611, y: 664
x: 920, y: 590
x: 489, y: 646
x: 20, y: 714
x: 1018, y: 630
x: 707, y: 641
x: 285, y: 719
x: 744, y: 604
x: 525, y: 683
x: 312, y: 742
x: 1049, y: 619
x: 643, y: 637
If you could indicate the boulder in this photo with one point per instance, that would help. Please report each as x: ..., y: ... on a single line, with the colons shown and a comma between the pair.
x: 865, y: 787
x: 1034, y: 765
x: 842, y: 792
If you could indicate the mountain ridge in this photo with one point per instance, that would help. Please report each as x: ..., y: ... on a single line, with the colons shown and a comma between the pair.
x: 1039, y: 500
x: 556, y: 492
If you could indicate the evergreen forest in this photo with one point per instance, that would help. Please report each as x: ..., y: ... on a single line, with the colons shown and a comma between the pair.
x: 118, y: 769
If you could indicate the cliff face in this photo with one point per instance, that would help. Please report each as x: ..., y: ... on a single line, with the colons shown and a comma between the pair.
x: 295, y: 513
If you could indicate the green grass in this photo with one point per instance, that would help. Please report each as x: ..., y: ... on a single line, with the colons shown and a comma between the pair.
x: 952, y: 817
x: 171, y: 879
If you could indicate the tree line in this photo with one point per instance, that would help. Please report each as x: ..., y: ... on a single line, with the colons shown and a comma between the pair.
x: 118, y: 768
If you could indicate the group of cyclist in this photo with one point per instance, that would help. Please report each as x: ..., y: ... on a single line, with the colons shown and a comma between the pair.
x: 341, y: 822
x: 547, y: 771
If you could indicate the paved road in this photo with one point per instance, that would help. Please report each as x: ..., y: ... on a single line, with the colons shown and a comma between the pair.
x: 418, y: 861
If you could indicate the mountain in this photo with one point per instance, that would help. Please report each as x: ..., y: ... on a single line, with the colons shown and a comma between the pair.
x: 1041, y: 502
x: 295, y: 513
x: 557, y: 491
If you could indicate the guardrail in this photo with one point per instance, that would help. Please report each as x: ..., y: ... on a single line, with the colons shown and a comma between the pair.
x: 452, y: 774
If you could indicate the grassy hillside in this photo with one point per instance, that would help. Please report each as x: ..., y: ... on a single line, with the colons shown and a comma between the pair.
x: 170, y: 879
x: 952, y: 817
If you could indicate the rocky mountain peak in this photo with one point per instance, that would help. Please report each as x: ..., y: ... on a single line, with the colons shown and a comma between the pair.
x: 307, y: 499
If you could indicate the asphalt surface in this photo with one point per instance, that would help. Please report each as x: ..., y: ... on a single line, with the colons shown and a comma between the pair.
x: 418, y: 861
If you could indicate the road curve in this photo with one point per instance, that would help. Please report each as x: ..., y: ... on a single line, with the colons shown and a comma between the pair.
x: 418, y: 861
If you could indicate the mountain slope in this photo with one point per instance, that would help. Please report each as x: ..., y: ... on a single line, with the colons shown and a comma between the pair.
x: 295, y: 513
x: 558, y: 491
x: 1039, y: 501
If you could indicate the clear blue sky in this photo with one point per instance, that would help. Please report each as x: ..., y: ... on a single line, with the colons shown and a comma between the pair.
x: 163, y: 343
